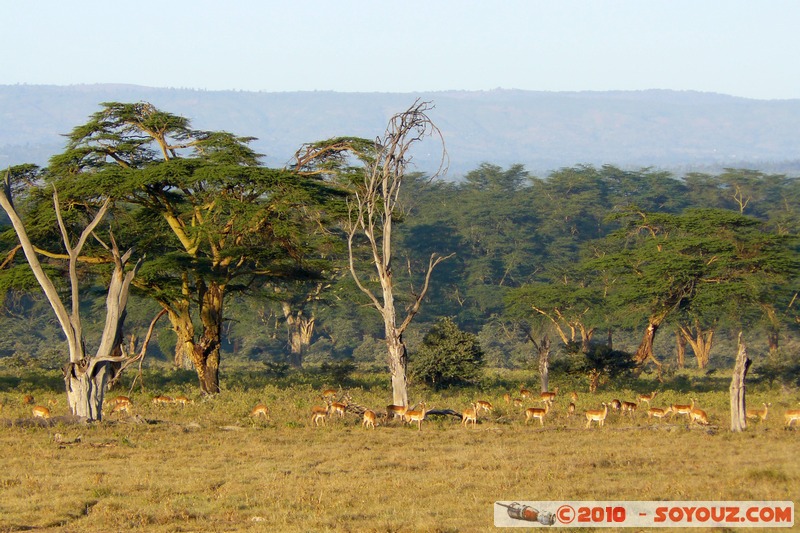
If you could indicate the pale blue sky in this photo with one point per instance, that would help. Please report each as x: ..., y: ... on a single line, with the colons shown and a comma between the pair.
x: 741, y: 48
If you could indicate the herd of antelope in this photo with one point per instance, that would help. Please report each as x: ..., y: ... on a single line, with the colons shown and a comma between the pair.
x: 469, y: 416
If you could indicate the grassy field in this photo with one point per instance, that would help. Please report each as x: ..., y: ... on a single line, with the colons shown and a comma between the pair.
x: 209, y: 467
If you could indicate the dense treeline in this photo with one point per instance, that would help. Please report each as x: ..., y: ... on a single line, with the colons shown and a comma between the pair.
x: 583, y: 256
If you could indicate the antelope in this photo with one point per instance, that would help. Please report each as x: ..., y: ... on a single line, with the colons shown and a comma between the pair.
x: 483, y: 405
x: 469, y: 415
x: 395, y: 411
x: 646, y: 398
x: 698, y: 415
x: 328, y: 394
x: 655, y: 412
x: 535, y: 412
x: 162, y: 399
x: 678, y: 409
x: 120, y: 404
x: 507, y: 398
x: 369, y: 419
x: 517, y: 402
x: 759, y: 413
x: 791, y: 416
x: 573, y: 396
x: 183, y: 400
x: 571, y: 409
x: 40, y: 411
x: 628, y: 407
x: 548, y: 397
x: 616, y: 404
x: 525, y: 393
x: 416, y: 416
x: 338, y: 408
x: 27, y: 399
x: 599, y: 416
x: 319, y: 413
x: 260, y: 410
x: 117, y: 400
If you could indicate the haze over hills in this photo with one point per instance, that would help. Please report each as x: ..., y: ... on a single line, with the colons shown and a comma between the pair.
x: 543, y: 130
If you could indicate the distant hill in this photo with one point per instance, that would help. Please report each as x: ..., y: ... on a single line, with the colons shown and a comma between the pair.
x: 542, y: 130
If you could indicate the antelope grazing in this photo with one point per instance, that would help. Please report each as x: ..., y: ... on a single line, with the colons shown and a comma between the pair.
x: 597, y: 415
x: 369, y: 419
x: 628, y: 407
x: 117, y: 400
x: 535, y: 412
x: 121, y: 404
x: 469, y: 415
x: 646, y: 397
x: 40, y: 411
x: 517, y: 402
x: 698, y: 415
x: 260, y: 410
x: 27, y: 399
x: 328, y: 395
x: 318, y: 413
x: 482, y: 405
x: 616, y: 404
x: 162, y: 399
x: 791, y: 416
x: 416, y: 416
x: 573, y: 396
x: 338, y: 408
x: 655, y: 412
x: 548, y: 397
x: 679, y: 409
x: 395, y: 411
x: 507, y: 398
x: 183, y: 400
x: 525, y: 393
x: 759, y: 413
x: 571, y: 409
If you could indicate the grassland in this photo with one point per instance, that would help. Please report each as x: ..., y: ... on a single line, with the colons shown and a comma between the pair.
x: 209, y: 467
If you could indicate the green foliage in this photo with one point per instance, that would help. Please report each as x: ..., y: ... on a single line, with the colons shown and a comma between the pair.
x: 448, y: 356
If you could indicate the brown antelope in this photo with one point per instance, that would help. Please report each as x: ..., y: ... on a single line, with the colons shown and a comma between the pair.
x: 27, y: 399
x: 646, y: 398
x: 260, y: 410
x: 121, y: 404
x: 535, y: 412
x: 162, y: 399
x: 597, y: 415
x: 183, y: 400
x: 469, y: 415
x: 698, y: 415
x: 338, y: 408
x: 395, y: 411
x: 548, y: 397
x: 416, y: 416
x: 507, y: 398
x: 616, y: 404
x: 113, y: 402
x: 791, y: 416
x: 759, y: 413
x: 525, y: 393
x: 40, y: 411
x: 483, y: 405
x: 655, y: 412
x: 517, y: 402
x: 680, y: 409
x: 628, y: 407
x: 319, y: 413
x: 571, y: 409
x: 573, y: 396
x: 369, y: 419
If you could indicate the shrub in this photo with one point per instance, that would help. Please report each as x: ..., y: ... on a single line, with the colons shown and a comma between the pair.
x: 448, y: 356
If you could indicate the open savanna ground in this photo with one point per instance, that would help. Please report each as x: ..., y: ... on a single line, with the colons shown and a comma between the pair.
x: 209, y: 466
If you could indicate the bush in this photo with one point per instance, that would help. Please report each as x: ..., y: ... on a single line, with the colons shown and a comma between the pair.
x: 448, y: 356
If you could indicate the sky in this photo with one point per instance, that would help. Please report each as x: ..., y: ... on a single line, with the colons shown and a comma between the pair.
x: 741, y: 48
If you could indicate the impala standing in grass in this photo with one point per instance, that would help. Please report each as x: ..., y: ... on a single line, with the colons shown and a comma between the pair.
x: 416, y: 416
x: 760, y: 414
x: 535, y: 412
x: 598, y: 416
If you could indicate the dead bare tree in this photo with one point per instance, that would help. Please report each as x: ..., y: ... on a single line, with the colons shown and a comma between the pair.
x: 86, y: 378
x: 738, y: 398
x: 372, y: 212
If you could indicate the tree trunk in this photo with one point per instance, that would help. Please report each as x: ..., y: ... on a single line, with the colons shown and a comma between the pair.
x: 680, y: 346
x: 645, y: 350
x: 398, y: 365
x: 181, y: 320
x: 700, y: 341
x: 86, y: 382
x: 738, y: 400
x: 300, y: 331
x: 206, y: 352
x: 544, y: 363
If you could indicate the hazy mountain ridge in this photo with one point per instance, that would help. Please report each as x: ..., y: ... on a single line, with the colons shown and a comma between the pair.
x: 542, y: 130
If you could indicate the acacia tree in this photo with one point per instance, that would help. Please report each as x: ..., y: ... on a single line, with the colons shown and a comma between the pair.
x: 216, y: 220
x: 373, y: 209
x: 86, y: 377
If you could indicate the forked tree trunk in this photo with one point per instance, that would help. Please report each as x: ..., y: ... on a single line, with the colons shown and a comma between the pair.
x: 300, y: 331
x: 701, y: 342
x: 738, y: 400
x: 645, y: 350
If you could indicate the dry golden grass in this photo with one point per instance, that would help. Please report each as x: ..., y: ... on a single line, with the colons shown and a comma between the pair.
x: 209, y: 467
